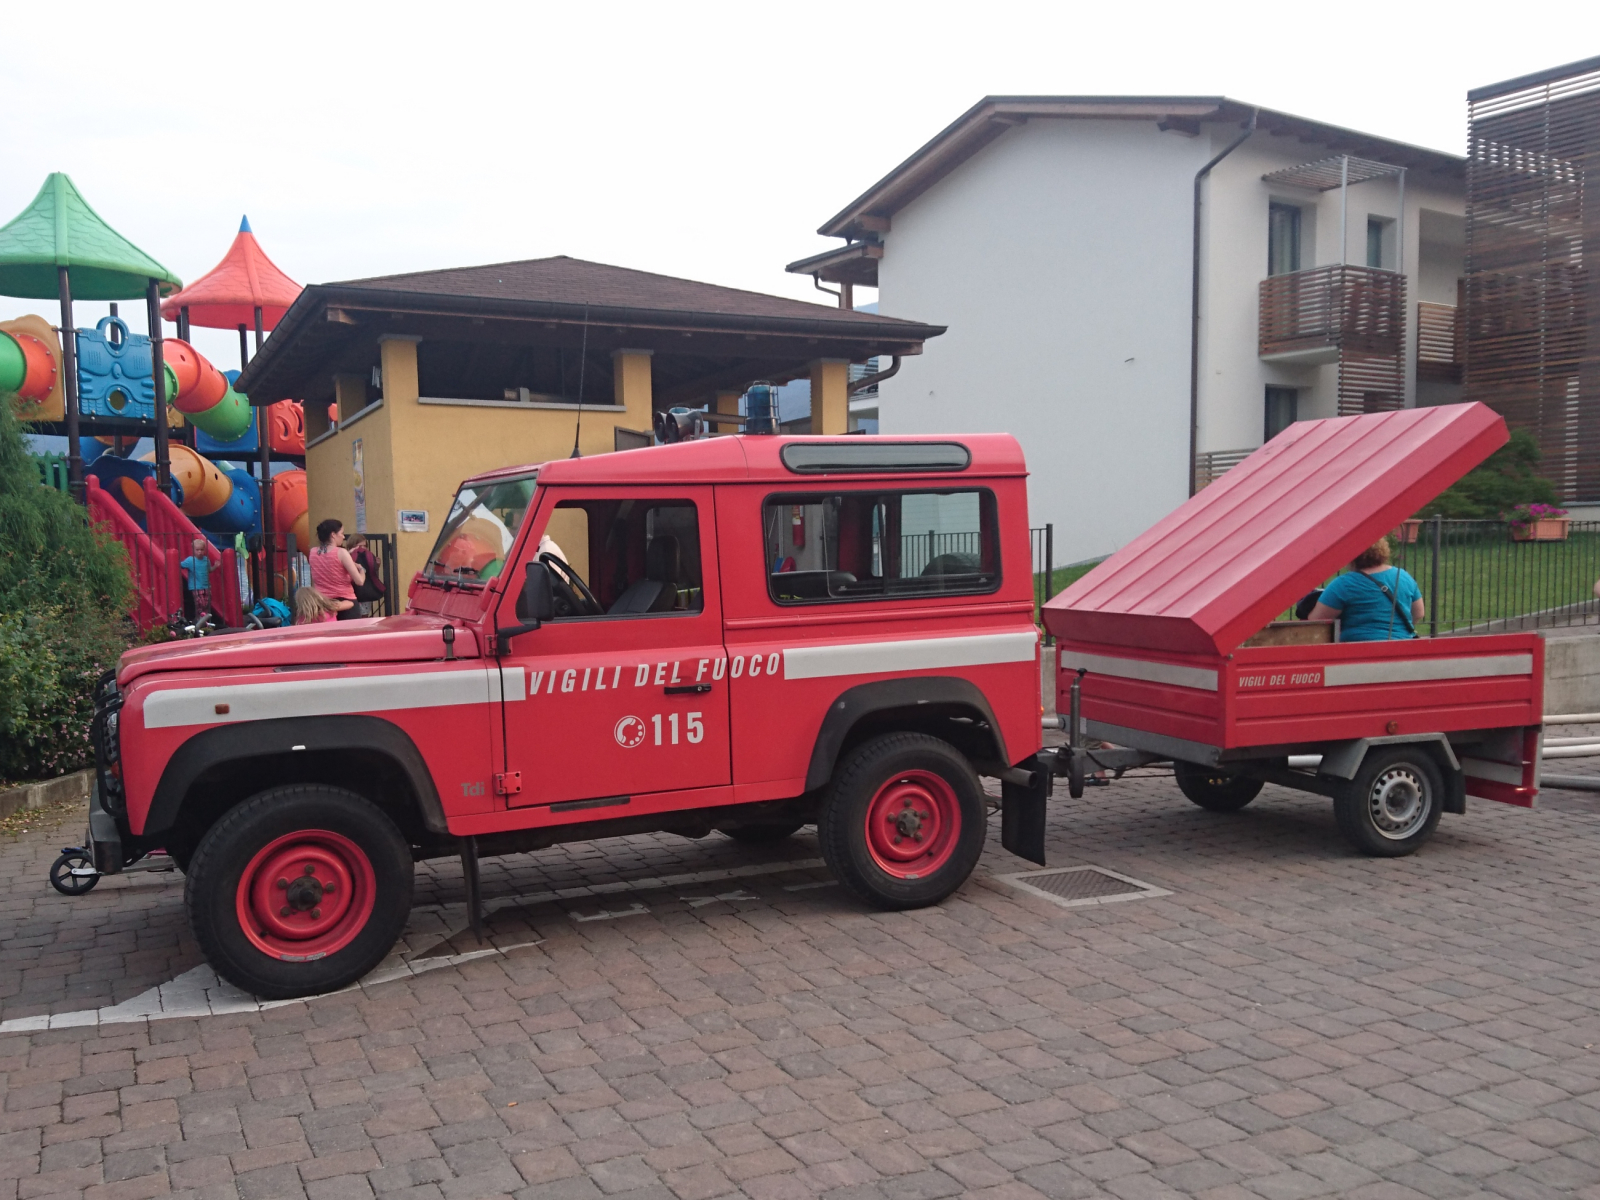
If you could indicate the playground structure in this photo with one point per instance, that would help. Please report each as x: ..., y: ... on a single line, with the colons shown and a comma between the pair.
x: 118, y: 387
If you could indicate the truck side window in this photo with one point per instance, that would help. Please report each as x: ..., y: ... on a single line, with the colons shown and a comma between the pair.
x: 636, y: 556
x: 867, y: 545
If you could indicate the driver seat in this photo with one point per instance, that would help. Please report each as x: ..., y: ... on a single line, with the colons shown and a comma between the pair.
x: 658, y: 590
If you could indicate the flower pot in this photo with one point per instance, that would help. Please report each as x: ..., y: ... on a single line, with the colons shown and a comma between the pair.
x: 1546, y: 529
x: 1406, y: 531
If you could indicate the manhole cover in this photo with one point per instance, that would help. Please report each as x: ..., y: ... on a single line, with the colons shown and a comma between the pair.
x: 1073, y: 886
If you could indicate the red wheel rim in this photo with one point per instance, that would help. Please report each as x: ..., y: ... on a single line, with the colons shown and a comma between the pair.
x: 913, y: 824
x: 306, y: 895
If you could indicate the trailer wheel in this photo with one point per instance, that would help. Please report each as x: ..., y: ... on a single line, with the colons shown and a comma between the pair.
x: 903, y: 824
x: 1215, y: 790
x: 763, y: 835
x: 1393, y: 804
x: 299, y: 890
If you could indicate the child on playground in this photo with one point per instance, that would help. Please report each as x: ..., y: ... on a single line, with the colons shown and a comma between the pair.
x: 197, y: 578
x: 311, y: 607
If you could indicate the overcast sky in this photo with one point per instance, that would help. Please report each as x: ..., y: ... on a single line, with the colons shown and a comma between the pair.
x: 695, y: 139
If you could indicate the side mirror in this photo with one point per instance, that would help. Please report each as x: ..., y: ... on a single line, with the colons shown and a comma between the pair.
x: 538, y: 602
x: 538, y: 597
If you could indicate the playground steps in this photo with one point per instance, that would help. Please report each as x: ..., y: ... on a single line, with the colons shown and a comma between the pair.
x: 154, y: 554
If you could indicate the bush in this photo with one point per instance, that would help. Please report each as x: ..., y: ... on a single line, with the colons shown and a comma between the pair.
x: 49, y: 661
x: 64, y: 588
x: 1506, y: 479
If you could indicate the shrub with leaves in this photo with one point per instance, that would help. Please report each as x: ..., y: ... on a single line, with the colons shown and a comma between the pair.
x: 63, y: 591
x: 1508, y: 478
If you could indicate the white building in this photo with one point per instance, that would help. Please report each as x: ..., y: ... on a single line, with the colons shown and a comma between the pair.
x: 1055, y: 236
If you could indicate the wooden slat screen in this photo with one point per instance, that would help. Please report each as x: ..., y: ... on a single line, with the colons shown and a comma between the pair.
x: 1438, y: 337
x: 1531, y: 329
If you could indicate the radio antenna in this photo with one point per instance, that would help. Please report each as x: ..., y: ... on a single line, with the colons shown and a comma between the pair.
x: 583, y: 361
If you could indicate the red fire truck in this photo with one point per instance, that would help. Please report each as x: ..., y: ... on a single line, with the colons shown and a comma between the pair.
x: 750, y: 634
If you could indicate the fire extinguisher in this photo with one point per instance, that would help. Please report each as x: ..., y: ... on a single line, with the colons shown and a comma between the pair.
x: 798, y: 525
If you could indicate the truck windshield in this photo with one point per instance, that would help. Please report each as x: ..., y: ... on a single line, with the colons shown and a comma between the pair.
x: 480, y: 530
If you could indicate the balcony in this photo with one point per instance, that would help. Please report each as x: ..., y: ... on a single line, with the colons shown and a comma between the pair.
x: 1439, y: 337
x: 1212, y: 465
x: 1311, y: 317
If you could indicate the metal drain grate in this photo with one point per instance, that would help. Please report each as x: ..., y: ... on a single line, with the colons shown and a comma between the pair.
x: 1071, y: 887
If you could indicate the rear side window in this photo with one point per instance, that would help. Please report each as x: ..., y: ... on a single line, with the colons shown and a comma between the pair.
x: 833, y: 546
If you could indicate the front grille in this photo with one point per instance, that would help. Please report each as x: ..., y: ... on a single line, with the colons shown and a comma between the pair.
x: 105, y: 736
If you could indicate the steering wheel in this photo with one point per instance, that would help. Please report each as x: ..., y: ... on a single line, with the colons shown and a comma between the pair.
x: 572, y: 596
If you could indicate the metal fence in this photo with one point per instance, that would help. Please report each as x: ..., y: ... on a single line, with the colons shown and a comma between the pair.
x: 281, y: 565
x: 1494, y: 576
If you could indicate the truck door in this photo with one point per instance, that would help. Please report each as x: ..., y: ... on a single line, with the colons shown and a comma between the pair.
x: 625, y: 693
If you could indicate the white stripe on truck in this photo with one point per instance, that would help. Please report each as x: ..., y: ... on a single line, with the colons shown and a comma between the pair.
x: 1419, y: 670
x: 911, y: 654
x: 326, y: 697
x: 1142, y: 669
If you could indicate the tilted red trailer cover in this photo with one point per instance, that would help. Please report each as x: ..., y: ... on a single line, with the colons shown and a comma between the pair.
x: 1220, y: 566
x: 1159, y: 626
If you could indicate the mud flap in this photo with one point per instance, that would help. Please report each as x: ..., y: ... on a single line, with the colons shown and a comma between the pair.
x: 1022, y: 812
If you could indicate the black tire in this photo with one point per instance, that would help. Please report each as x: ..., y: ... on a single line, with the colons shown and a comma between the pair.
x: 1393, y: 804
x: 252, y: 959
x: 1215, y: 790
x: 874, y: 777
x: 763, y: 835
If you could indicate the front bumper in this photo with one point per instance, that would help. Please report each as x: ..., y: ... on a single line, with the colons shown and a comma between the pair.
x: 103, y: 839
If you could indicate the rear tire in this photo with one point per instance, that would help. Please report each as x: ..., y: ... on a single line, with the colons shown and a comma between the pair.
x: 904, y: 821
x: 1393, y: 804
x: 299, y: 890
x: 764, y: 835
x: 1213, y: 789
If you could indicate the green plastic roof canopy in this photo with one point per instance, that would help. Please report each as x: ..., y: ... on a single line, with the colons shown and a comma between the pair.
x: 59, y: 229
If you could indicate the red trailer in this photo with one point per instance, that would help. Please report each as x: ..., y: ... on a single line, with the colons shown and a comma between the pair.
x: 1169, y: 650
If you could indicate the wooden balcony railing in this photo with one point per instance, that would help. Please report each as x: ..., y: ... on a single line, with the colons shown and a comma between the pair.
x: 1313, y: 315
x: 1439, y: 334
x: 1212, y: 465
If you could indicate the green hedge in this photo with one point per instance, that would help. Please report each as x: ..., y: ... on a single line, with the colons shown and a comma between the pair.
x: 64, y: 591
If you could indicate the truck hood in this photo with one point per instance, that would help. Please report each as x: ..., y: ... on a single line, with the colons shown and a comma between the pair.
x: 410, y: 637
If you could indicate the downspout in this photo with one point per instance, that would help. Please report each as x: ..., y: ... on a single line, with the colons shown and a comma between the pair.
x: 1194, y: 306
x: 867, y: 381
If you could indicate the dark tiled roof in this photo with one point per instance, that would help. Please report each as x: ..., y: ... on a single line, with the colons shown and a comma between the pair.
x: 574, y: 281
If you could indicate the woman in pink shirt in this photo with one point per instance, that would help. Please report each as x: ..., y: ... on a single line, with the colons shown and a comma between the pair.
x: 333, y: 572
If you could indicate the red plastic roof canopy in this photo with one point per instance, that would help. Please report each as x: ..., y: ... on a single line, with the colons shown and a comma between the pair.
x: 1218, y: 568
x: 227, y: 296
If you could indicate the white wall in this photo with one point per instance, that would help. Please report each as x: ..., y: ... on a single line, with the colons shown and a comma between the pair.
x: 1059, y: 258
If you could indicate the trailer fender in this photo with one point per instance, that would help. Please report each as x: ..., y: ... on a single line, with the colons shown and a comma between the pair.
x: 924, y: 698
x: 288, y: 737
x: 1343, y: 761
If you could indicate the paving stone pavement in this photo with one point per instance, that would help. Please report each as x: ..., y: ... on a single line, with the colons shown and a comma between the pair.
x: 1291, y: 1021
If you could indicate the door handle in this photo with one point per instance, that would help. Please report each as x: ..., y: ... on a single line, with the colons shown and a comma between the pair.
x: 688, y: 689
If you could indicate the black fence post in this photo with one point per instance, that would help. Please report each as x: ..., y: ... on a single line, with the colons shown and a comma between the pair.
x: 1433, y: 578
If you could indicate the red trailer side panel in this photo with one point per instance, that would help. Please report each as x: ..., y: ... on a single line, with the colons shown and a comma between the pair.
x: 1223, y: 564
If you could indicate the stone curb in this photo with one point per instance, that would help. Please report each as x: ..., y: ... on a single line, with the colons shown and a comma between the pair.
x: 51, y: 791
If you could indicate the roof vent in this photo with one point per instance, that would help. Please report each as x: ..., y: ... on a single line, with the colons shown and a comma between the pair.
x: 873, y: 456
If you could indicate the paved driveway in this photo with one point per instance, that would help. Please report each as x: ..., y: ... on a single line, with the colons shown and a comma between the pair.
x: 661, y: 1017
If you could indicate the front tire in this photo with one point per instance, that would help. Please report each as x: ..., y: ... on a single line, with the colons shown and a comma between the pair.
x: 300, y: 890
x: 1393, y: 804
x: 1213, y: 789
x: 903, y: 824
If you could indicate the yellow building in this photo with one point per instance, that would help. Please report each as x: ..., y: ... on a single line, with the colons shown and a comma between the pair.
x: 439, y: 375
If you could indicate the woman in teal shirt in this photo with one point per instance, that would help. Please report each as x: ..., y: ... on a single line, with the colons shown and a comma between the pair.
x: 1373, y: 601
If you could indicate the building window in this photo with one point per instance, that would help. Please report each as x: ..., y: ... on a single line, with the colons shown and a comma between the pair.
x: 1283, y: 239
x: 1380, y: 240
x: 1283, y: 404
x: 870, y: 545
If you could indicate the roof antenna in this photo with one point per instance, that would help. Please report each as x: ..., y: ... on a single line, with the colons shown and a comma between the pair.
x: 583, y: 361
